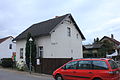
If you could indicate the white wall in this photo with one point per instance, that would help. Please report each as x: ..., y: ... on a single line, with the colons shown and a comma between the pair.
x: 20, y: 44
x: 65, y: 46
x: 60, y: 45
x: 46, y: 43
x: 5, y: 52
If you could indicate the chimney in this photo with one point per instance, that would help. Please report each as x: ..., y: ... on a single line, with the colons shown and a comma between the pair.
x: 57, y: 16
x: 112, y: 36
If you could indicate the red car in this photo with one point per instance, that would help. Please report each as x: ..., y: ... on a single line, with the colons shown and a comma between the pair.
x: 88, y: 69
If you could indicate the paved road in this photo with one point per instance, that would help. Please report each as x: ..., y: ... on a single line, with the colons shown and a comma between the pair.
x: 6, y: 74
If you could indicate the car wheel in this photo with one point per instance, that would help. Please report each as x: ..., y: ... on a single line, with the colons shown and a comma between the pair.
x: 97, y: 79
x: 58, y: 77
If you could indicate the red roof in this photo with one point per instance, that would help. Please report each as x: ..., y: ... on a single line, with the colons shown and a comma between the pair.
x: 112, y: 39
x: 3, y: 39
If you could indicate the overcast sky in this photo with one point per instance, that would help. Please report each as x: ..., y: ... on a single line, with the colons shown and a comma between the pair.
x: 95, y: 18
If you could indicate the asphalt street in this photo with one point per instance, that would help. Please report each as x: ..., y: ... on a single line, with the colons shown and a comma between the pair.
x: 6, y: 74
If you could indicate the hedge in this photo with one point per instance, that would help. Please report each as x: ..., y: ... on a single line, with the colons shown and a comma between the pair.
x: 6, y: 62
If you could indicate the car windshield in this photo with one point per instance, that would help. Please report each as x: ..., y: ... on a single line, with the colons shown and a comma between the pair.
x: 113, y: 64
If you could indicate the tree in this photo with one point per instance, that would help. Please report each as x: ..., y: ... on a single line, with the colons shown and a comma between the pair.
x: 96, y: 40
x: 33, y: 51
x: 106, y: 48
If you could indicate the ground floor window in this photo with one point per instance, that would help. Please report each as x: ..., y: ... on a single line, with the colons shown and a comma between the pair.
x: 21, y: 53
x: 40, y: 51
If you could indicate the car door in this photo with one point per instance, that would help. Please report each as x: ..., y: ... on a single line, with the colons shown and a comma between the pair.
x: 69, y: 70
x: 100, y: 69
x: 84, y: 70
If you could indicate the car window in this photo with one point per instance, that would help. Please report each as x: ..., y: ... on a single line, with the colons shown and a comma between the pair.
x: 99, y: 65
x: 71, y: 65
x: 113, y: 64
x: 84, y: 64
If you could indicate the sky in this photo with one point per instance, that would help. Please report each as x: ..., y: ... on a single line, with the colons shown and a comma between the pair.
x: 95, y: 18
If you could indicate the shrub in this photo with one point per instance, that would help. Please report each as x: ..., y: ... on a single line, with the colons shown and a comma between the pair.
x: 20, y: 65
x: 6, y: 62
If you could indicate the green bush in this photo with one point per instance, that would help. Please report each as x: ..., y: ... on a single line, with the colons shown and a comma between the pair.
x: 6, y: 62
x: 20, y: 65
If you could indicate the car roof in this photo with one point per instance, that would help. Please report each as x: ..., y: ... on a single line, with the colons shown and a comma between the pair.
x: 103, y: 59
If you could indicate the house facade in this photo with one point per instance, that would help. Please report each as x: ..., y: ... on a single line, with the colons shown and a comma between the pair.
x: 7, y: 47
x: 58, y: 40
x: 116, y: 45
x: 91, y: 50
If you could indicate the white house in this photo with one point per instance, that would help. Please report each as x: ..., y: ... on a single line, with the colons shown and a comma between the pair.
x: 57, y: 38
x: 7, y: 47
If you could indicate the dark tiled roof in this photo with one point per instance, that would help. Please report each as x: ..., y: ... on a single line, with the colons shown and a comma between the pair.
x: 3, y: 39
x: 93, y: 46
x: 44, y: 28
x: 112, y: 39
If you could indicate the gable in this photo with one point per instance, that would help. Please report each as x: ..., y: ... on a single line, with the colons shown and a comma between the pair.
x: 110, y: 40
x: 44, y: 28
x: 3, y: 39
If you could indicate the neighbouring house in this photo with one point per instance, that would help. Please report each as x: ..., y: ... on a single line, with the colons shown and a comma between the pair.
x: 111, y: 40
x: 92, y: 50
x: 116, y: 44
x: 7, y: 47
x: 58, y: 40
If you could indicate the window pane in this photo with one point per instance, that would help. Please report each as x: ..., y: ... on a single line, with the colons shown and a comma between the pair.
x: 40, y: 51
x: 10, y: 46
x: 84, y: 64
x: 77, y: 36
x: 100, y: 65
x: 68, y: 31
x: 21, y: 53
x: 71, y: 65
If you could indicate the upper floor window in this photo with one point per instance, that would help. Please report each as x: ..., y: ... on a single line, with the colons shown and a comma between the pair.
x: 77, y: 36
x: 68, y: 31
x: 21, y: 53
x: 10, y: 46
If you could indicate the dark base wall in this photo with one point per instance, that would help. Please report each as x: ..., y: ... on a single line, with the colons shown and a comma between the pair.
x: 48, y: 65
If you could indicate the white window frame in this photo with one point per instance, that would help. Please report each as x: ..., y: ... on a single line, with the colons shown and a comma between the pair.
x: 21, y: 53
x: 40, y: 51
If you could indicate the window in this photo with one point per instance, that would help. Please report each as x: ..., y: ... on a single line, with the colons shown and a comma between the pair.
x: 113, y: 64
x: 68, y: 31
x: 77, y: 36
x: 10, y: 46
x: 40, y: 53
x: 84, y: 64
x: 71, y: 65
x: 21, y: 53
x: 100, y: 65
